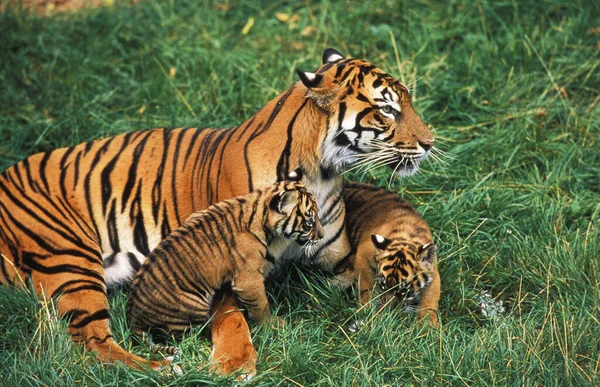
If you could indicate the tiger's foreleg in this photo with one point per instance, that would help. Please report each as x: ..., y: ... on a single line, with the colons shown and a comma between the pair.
x: 429, y: 300
x: 339, y: 259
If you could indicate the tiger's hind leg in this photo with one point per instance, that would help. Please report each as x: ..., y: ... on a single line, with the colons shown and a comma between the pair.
x: 82, y: 299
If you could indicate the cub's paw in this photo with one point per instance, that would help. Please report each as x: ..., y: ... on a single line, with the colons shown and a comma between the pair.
x: 355, y: 325
x: 175, y: 368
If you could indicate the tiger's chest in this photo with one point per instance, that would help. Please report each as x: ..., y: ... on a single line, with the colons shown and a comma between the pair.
x: 122, y: 262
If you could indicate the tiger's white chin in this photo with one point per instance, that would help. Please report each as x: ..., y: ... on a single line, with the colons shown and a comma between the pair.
x: 407, y: 170
x: 408, y: 167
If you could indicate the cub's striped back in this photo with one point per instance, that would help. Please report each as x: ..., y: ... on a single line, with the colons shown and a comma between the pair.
x: 226, y: 243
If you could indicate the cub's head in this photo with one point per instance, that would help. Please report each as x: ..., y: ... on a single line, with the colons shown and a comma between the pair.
x: 371, y: 121
x: 293, y: 214
x: 403, y: 269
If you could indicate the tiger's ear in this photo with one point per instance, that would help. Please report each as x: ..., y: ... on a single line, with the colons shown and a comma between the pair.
x: 380, y: 242
x: 426, y: 253
x: 284, y: 201
x: 330, y: 55
x: 310, y: 80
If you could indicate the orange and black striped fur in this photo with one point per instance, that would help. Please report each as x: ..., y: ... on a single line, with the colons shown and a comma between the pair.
x: 393, y: 248
x: 77, y: 220
x: 226, y: 243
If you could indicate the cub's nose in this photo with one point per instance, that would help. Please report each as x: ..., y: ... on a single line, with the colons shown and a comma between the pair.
x: 319, y: 232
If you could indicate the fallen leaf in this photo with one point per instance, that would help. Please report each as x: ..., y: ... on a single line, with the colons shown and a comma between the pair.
x: 298, y: 46
x: 142, y: 110
x: 295, y: 17
x: 224, y: 7
x: 562, y: 92
x: 248, y: 25
x: 307, y: 31
x: 172, y: 72
x: 282, y: 17
x: 594, y: 31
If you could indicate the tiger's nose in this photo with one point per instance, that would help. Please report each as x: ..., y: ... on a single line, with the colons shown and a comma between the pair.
x: 426, y: 145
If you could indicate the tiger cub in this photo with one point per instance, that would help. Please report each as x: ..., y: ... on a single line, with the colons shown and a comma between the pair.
x: 226, y: 243
x: 392, y: 246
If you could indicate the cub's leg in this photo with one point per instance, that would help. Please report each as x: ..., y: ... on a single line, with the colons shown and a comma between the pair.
x: 81, y: 294
x: 429, y: 300
x: 232, y: 345
x: 250, y: 288
x: 364, y: 280
x: 248, y: 282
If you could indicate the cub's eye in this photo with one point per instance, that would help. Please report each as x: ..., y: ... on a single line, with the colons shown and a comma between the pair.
x: 387, y: 109
x: 309, y: 222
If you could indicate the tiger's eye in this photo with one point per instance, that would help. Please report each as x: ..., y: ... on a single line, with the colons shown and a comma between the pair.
x: 386, y: 109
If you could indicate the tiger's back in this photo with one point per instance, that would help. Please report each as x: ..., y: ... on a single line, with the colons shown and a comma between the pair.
x: 391, y: 242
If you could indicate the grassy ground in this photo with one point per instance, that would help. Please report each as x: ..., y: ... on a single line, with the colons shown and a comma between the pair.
x: 512, y: 92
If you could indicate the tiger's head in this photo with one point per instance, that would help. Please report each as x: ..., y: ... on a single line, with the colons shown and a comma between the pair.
x: 371, y: 121
x: 403, y: 268
x: 294, y: 214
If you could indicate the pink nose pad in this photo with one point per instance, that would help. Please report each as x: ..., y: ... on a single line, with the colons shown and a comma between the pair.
x: 427, y: 145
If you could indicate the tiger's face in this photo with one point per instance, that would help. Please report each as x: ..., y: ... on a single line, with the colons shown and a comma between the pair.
x: 370, y: 114
x: 403, y: 269
x: 296, y: 215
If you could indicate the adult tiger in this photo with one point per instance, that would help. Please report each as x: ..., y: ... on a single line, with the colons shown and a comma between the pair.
x: 77, y: 220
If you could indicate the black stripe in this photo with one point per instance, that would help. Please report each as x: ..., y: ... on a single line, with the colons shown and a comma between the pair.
x: 111, y: 226
x: 220, y: 166
x: 61, y: 289
x: 140, y: 237
x: 99, y: 315
x: 131, y: 175
x: 330, y: 241
x: 283, y: 165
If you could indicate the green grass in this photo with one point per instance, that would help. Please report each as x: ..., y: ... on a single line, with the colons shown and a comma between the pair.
x: 512, y: 93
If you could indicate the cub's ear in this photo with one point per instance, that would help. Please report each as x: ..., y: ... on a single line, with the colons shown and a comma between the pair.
x: 426, y: 253
x: 310, y: 80
x: 330, y: 55
x: 380, y: 242
x: 284, y: 201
